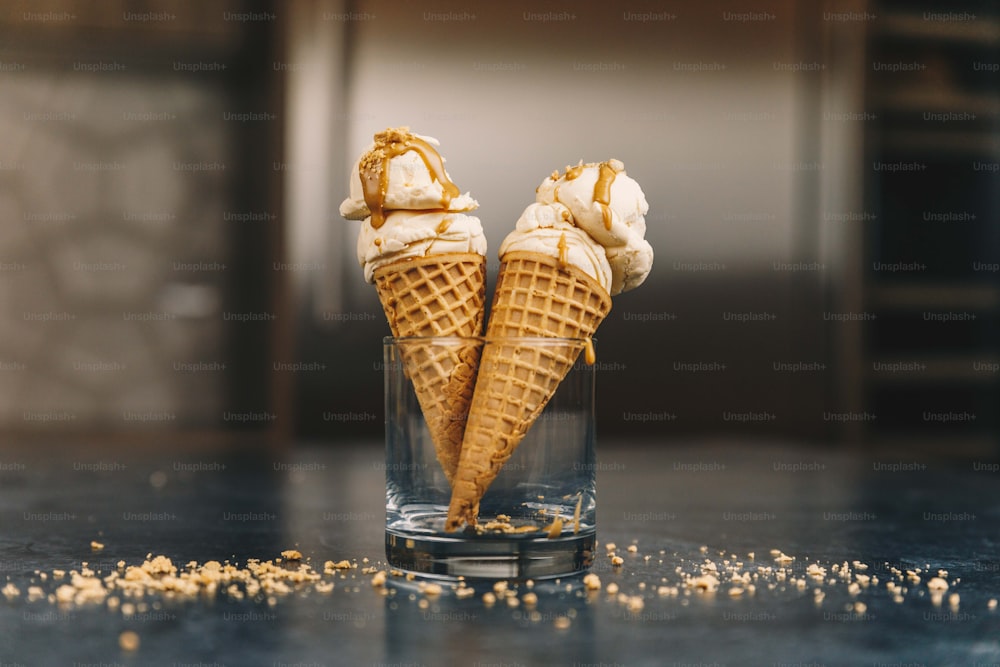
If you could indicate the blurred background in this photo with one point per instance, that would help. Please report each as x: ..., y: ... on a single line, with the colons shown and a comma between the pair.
x: 823, y: 180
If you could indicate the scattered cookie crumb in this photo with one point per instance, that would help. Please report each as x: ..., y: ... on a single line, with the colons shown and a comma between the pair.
x: 130, y: 590
x: 432, y: 590
x: 128, y: 641
x: 991, y: 604
x: 635, y: 603
x: 705, y: 583
x: 339, y: 565
x: 158, y: 479
x: 502, y: 524
x: 937, y: 584
x: 95, y: 545
x: 816, y: 572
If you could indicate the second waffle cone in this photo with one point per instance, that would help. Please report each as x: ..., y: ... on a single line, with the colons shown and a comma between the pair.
x: 539, y: 297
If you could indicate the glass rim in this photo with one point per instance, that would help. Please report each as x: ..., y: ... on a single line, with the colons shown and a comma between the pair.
x: 395, y: 340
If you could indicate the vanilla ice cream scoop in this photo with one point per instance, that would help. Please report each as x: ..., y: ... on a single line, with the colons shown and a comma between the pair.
x: 401, y: 171
x: 410, y: 234
x: 596, y: 212
x: 409, y: 205
x: 548, y: 229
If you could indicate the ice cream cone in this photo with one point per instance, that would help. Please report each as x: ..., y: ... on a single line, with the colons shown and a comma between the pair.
x: 536, y: 295
x: 438, y: 295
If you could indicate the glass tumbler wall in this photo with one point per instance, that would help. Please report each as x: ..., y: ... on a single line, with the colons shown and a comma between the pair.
x: 536, y: 518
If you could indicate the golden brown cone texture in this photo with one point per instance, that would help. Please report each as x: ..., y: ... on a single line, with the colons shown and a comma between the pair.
x: 535, y: 296
x: 438, y: 295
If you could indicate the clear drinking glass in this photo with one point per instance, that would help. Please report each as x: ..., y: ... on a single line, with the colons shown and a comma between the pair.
x: 537, y: 517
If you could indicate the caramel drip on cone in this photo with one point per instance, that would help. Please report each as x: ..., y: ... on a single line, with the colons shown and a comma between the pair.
x: 563, y: 248
x: 374, y: 169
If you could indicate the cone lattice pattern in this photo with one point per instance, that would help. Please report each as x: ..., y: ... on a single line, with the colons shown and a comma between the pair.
x: 438, y: 295
x: 534, y: 296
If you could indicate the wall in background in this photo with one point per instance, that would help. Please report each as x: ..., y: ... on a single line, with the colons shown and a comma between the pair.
x: 135, y: 218
x: 747, y: 127
x: 714, y: 109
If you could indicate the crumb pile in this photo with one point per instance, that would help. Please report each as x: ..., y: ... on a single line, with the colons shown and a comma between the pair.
x: 134, y: 589
x: 158, y: 577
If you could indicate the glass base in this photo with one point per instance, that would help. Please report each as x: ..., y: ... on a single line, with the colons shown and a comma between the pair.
x: 486, y: 557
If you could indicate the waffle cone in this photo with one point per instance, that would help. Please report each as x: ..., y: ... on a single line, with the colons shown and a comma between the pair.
x: 535, y: 296
x: 438, y: 295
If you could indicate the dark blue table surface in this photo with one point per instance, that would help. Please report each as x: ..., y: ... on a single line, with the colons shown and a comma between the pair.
x: 685, y: 506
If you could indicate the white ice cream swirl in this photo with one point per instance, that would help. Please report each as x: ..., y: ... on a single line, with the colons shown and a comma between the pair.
x: 591, y: 216
x: 548, y: 229
x: 409, y: 205
x: 408, y: 234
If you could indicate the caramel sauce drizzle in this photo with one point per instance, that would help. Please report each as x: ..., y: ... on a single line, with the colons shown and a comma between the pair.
x: 374, y: 171
x: 602, y: 187
x: 443, y: 226
x: 563, y: 247
x: 589, y: 355
x: 602, y: 191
